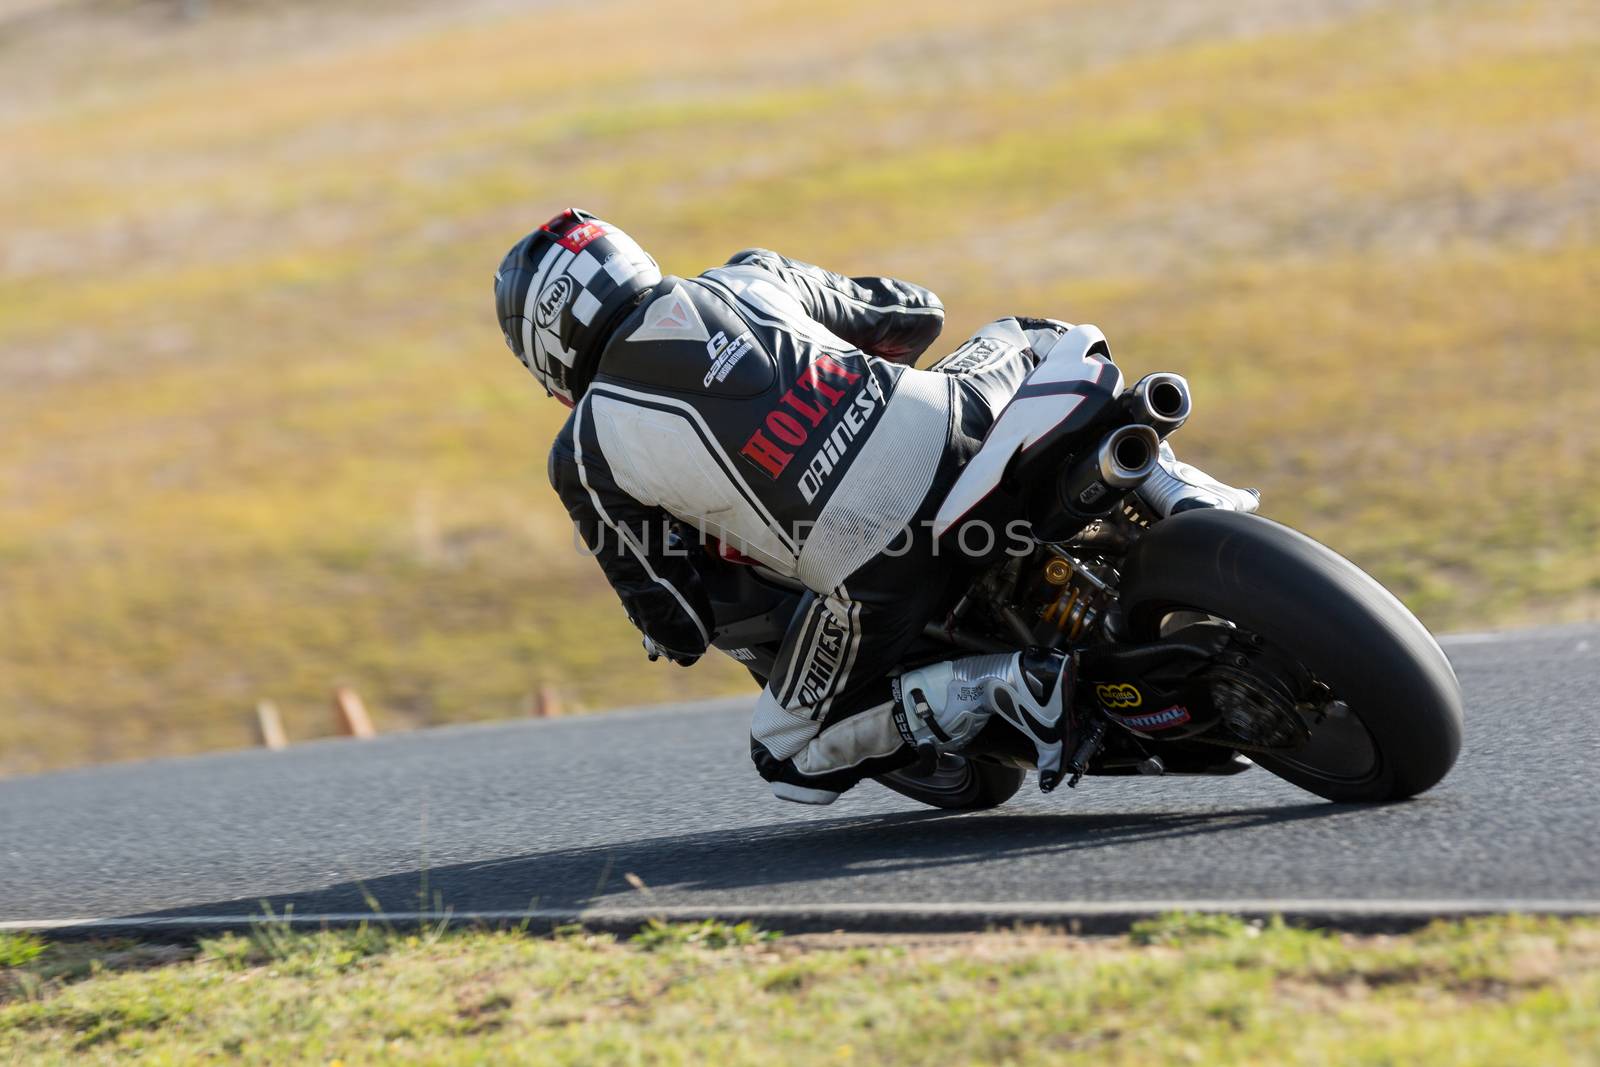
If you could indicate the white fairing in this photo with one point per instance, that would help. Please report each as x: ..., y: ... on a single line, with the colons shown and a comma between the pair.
x: 1074, y: 357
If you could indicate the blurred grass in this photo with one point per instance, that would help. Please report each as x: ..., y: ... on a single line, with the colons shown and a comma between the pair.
x: 1180, y: 989
x: 258, y: 435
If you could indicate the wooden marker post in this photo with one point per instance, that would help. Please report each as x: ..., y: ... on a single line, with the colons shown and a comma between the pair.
x: 350, y: 714
x: 548, y: 703
x: 269, y: 726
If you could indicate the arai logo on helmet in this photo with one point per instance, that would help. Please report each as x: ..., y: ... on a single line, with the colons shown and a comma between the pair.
x: 553, y: 299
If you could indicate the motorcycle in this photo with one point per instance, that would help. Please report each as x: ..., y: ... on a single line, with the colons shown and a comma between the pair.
x: 1203, y: 643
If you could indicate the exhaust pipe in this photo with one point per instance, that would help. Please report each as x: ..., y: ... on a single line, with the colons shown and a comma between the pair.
x: 1092, y: 487
x: 1127, y: 456
x: 1160, y: 401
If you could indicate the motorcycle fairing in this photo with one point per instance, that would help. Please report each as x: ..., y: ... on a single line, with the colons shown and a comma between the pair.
x: 1060, y: 396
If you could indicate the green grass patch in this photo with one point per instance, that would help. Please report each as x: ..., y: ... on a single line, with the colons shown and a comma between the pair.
x: 1181, y: 989
x: 19, y: 949
x: 709, y: 933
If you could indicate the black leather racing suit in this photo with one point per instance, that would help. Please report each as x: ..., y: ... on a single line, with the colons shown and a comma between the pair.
x: 770, y: 404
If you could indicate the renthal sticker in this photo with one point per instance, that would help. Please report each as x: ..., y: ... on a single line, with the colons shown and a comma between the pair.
x: 579, y: 237
x: 1164, y: 719
x: 816, y: 391
x: 743, y: 655
x: 553, y: 299
x: 837, y: 444
x: 725, y: 355
x: 1119, y: 695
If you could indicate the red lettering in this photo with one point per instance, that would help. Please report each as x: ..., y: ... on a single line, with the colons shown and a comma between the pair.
x: 786, y: 428
x: 581, y: 237
x: 766, y: 455
x: 808, y: 378
x: 833, y: 366
x: 810, y: 411
x: 760, y: 449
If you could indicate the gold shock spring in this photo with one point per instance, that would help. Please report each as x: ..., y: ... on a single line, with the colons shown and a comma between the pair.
x: 1074, y: 609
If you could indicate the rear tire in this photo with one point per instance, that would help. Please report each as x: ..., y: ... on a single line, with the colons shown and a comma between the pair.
x: 958, y: 784
x: 1314, y: 604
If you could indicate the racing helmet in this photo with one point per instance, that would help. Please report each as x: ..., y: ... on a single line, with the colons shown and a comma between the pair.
x: 559, y: 292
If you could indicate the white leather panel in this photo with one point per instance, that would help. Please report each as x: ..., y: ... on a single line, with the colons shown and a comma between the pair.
x: 658, y: 458
x: 878, y: 496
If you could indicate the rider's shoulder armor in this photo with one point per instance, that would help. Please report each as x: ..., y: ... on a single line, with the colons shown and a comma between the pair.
x: 685, y: 338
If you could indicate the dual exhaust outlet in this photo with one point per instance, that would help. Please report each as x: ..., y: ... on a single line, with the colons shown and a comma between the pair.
x: 1160, y: 401
x: 1095, y: 484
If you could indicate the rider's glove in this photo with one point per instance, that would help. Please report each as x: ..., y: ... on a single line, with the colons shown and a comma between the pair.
x: 655, y: 652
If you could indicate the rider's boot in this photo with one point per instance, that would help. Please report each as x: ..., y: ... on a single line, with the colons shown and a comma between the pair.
x: 944, y: 705
x: 1177, y: 486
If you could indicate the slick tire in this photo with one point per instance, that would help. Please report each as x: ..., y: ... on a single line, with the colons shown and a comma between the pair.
x: 1349, y: 631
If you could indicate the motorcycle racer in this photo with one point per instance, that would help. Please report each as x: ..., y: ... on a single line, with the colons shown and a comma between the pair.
x: 772, y: 405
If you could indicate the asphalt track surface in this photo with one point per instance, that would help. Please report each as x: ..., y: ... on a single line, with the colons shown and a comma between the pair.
x: 550, y: 818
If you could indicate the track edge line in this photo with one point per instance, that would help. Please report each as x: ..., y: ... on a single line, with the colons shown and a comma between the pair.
x: 1087, y: 917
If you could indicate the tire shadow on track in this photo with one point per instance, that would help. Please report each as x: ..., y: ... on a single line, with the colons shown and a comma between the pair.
x: 780, y: 860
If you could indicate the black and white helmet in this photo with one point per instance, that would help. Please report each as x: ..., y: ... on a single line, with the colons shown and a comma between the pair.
x: 559, y: 291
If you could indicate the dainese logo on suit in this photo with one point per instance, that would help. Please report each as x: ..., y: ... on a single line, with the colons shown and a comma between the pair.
x: 818, y: 391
